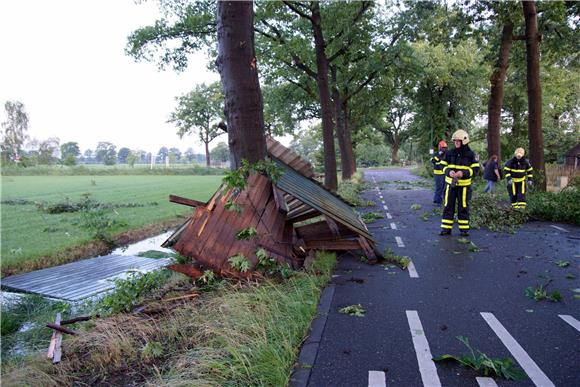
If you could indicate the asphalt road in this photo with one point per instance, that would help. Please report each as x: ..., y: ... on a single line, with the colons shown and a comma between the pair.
x: 412, y: 315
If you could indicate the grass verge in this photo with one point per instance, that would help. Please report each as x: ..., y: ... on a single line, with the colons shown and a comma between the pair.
x: 239, y: 335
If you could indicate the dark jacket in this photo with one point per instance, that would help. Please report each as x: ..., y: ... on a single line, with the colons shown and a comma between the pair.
x: 436, y: 160
x: 489, y: 171
x: 460, y: 159
x: 518, y: 170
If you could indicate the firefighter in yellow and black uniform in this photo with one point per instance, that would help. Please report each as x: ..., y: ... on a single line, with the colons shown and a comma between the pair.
x: 518, y: 173
x: 461, y: 165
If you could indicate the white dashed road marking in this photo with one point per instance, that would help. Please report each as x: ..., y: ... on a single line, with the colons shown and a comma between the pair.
x: 385, y: 207
x: 377, y: 379
x: 571, y: 320
x: 538, y: 377
x: 393, y: 226
x: 485, y: 382
x: 399, y: 241
x: 424, y: 358
x: 389, y: 216
x: 412, y: 271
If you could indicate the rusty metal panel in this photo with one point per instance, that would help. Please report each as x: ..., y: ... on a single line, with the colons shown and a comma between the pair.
x: 312, y: 194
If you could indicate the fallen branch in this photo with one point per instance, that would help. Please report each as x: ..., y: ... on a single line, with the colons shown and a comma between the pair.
x: 180, y: 297
x: 61, y: 329
x: 78, y: 319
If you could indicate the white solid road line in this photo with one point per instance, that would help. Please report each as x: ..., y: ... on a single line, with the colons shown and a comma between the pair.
x: 412, y: 271
x: 538, y: 377
x: 399, y: 241
x: 377, y: 379
x: 424, y: 358
x: 485, y: 382
x: 393, y: 226
x: 571, y: 320
x: 389, y: 216
x: 559, y: 228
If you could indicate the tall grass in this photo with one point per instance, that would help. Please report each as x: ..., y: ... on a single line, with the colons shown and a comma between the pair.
x: 239, y: 336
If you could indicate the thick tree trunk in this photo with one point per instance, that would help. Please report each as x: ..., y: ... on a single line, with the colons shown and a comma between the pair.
x: 495, y: 104
x: 535, y: 134
x: 239, y: 76
x: 330, y: 180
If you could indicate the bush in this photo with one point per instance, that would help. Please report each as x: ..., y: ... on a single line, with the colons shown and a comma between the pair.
x: 556, y: 207
x: 129, y: 292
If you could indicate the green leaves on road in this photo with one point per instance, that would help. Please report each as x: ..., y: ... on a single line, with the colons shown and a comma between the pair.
x: 353, y: 310
x: 485, y: 365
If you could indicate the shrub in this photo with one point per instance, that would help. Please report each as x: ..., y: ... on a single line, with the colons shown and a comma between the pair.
x: 556, y: 207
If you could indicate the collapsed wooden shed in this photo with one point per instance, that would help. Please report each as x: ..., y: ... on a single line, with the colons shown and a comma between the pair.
x: 292, y: 218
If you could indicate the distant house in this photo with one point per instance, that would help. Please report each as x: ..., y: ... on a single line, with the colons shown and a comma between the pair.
x: 573, y: 157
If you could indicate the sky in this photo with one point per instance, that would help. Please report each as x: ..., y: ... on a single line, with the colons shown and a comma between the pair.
x: 65, y: 61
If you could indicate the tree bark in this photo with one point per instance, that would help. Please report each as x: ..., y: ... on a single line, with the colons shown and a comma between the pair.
x: 395, y: 150
x: 344, y: 140
x: 495, y: 104
x: 330, y: 180
x: 207, y: 157
x: 239, y: 76
x: 535, y: 134
x: 348, y: 141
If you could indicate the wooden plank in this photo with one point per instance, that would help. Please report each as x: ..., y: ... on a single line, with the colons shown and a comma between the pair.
x: 334, y: 245
x: 369, y: 252
x: 186, y: 201
x: 332, y: 225
x: 52, y: 345
x: 280, y: 202
x: 305, y: 216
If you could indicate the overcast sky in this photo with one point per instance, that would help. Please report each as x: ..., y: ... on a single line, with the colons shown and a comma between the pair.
x: 64, y: 60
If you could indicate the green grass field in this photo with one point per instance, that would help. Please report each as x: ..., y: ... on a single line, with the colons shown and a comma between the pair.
x: 28, y: 233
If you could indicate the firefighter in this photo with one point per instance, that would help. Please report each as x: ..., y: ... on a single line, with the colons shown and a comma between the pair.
x: 438, y: 172
x: 518, y: 173
x: 460, y: 166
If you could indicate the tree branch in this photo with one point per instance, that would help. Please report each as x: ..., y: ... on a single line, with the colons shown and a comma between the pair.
x: 306, y: 89
x: 365, y: 5
x: 361, y: 86
x: 297, y: 11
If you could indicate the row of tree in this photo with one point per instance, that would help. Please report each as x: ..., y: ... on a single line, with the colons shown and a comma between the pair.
x: 392, y: 73
x: 17, y: 147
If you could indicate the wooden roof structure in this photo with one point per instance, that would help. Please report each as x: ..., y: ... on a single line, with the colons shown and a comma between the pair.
x: 278, y: 213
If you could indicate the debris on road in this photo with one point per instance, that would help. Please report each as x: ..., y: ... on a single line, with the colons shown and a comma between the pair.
x: 286, y: 217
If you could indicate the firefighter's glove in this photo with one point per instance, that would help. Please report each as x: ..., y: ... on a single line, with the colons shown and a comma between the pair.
x: 509, y: 181
x: 530, y: 184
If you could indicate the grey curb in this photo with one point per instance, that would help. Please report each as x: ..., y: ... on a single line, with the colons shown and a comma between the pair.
x: 301, y: 372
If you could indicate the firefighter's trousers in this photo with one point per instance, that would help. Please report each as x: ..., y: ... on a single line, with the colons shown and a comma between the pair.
x: 461, y: 195
x: 517, y: 192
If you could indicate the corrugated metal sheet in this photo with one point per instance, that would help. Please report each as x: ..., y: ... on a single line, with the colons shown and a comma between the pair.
x: 312, y: 194
x: 77, y: 280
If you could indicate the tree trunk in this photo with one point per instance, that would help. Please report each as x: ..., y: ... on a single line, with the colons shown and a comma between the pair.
x: 535, y: 134
x: 330, y: 180
x: 348, y: 141
x: 395, y: 150
x: 346, y: 154
x: 207, y: 158
x: 495, y: 104
x: 239, y: 76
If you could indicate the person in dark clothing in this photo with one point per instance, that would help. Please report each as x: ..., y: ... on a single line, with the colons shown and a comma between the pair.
x: 438, y: 172
x: 518, y: 172
x: 460, y: 166
x: 491, y: 173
